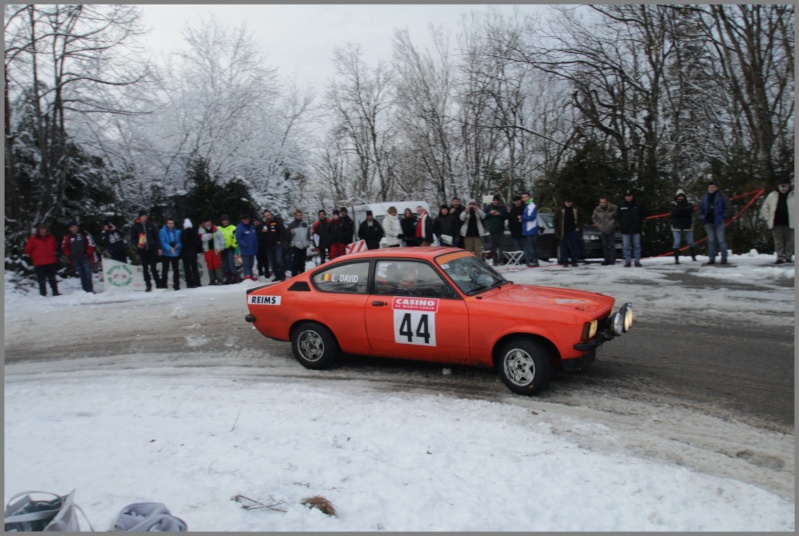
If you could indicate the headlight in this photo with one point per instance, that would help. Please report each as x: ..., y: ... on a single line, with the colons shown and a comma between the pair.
x: 623, y: 319
x: 589, y: 330
x: 628, y: 318
x: 627, y: 311
x: 617, y: 321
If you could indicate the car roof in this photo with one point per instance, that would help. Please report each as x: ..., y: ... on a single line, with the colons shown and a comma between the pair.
x: 428, y: 253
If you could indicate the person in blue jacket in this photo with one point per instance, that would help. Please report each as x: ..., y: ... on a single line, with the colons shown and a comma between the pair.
x: 169, y: 237
x: 247, y: 238
x: 713, y: 211
x: 529, y: 220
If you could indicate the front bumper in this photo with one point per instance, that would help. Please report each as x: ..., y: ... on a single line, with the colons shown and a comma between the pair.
x: 574, y: 365
x: 596, y: 342
x: 613, y: 326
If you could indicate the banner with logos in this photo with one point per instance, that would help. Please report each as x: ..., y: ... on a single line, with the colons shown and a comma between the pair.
x: 124, y: 276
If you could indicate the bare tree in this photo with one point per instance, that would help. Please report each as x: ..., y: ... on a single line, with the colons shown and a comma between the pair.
x: 62, y: 62
x: 425, y: 108
x: 360, y: 99
x: 754, y: 47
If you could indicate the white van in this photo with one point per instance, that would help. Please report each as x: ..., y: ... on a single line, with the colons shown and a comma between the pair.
x: 379, y: 210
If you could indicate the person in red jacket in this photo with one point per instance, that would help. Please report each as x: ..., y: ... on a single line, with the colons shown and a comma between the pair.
x: 42, y: 248
x: 79, y: 247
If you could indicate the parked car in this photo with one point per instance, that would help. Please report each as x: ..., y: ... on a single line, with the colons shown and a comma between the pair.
x: 591, y: 244
x: 436, y: 304
x: 548, y: 246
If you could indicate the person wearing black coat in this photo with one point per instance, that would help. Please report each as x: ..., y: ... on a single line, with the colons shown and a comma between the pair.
x: 189, y: 249
x: 408, y: 225
x: 114, y: 241
x: 274, y: 236
x: 682, y: 224
x: 370, y: 231
x: 339, y: 236
x: 515, y: 221
x: 262, y: 256
x: 631, y: 216
x: 445, y: 225
x: 144, y: 237
x: 322, y: 229
x: 348, y: 224
x: 455, y: 210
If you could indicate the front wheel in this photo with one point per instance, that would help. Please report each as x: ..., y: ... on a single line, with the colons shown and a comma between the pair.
x: 524, y: 366
x: 314, y: 346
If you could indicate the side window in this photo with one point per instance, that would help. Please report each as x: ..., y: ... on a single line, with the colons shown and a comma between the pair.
x: 351, y: 278
x: 410, y: 278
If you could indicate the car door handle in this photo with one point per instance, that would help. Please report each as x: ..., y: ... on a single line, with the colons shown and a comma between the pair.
x: 379, y: 303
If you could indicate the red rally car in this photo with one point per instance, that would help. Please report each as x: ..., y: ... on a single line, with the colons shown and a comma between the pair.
x: 436, y: 304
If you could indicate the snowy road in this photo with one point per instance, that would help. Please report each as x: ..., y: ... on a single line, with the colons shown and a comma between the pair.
x: 739, y: 367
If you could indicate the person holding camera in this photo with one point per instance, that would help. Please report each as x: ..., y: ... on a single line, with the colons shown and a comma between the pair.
x: 170, y: 253
x: 496, y: 214
x: 114, y: 241
x: 473, y: 228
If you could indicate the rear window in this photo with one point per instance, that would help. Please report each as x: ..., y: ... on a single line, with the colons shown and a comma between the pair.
x: 350, y: 278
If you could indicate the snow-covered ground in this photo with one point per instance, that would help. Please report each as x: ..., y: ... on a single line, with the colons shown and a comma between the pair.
x: 141, y: 427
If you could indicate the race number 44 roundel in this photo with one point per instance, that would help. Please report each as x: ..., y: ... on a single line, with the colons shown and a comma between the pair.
x: 415, y: 320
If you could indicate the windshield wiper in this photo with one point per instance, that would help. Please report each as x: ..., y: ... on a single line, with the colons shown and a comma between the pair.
x: 475, y: 289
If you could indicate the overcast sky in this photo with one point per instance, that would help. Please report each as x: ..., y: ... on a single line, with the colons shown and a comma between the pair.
x: 299, y: 39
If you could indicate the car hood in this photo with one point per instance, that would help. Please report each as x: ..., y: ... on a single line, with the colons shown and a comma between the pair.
x: 548, y: 297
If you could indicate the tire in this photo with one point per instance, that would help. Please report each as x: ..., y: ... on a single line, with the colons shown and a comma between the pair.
x: 524, y: 366
x: 314, y: 346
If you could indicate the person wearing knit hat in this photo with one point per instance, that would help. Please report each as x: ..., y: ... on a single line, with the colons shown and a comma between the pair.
x: 338, y: 236
x: 370, y: 231
x: 682, y: 224
x: 348, y: 225
x: 777, y: 210
x: 445, y: 226
x: 190, y: 247
x: 714, y: 210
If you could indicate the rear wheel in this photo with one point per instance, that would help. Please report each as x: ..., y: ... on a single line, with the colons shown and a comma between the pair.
x: 314, y: 346
x: 524, y: 366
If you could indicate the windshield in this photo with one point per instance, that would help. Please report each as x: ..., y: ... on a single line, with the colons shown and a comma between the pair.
x: 471, y: 275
